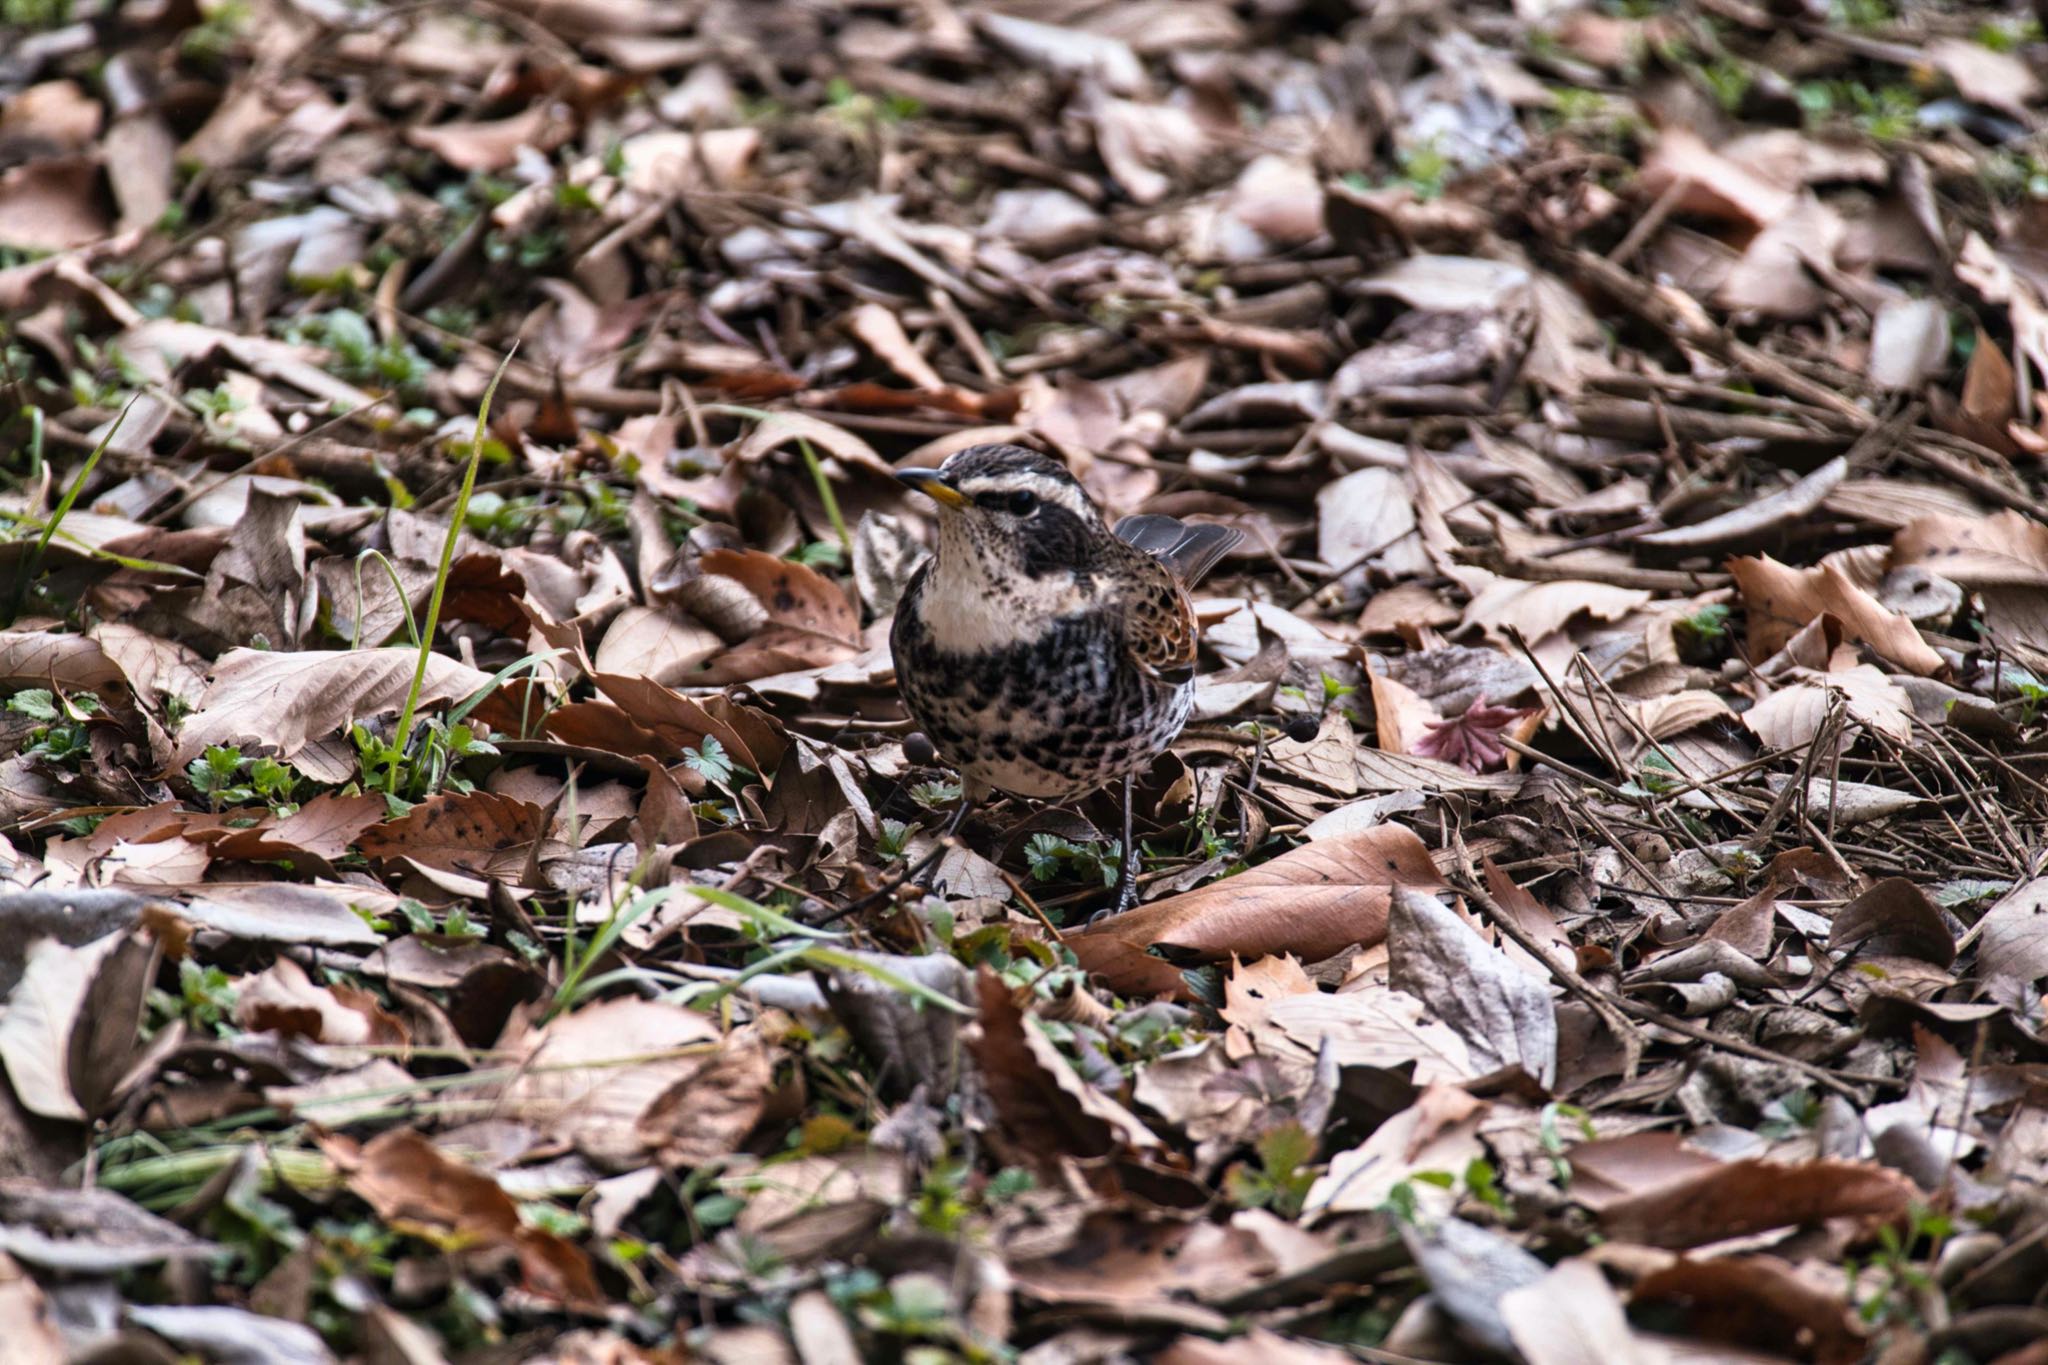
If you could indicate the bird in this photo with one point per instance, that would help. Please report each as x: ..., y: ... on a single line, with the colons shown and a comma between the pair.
x: 1044, y: 653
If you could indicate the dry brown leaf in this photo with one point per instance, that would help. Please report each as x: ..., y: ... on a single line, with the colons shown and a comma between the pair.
x: 2012, y: 954
x: 1502, y: 1011
x: 1047, y: 1110
x: 2000, y: 79
x: 52, y: 204
x: 1893, y: 918
x: 285, y: 999
x: 1780, y: 599
x: 486, y: 146
x: 1759, y: 1302
x: 407, y: 1179
x: 320, y: 831
x: 1539, y: 609
x: 882, y: 332
x: 1654, y: 1189
x: 707, y: 1114
x: 788, y: 428
x: 587, y: 1078
x: 1793, y: 716
x: 811, y: 622
x: 41, y: 1017
x: 263, y: 699
x: 2002, y: 550
x: 1313, y: 902
x: 1758, y: 517
x: 1713, y: 185
x: 477, y: 833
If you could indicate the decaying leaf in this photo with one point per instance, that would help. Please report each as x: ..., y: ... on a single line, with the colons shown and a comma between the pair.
x: 1313, y: 902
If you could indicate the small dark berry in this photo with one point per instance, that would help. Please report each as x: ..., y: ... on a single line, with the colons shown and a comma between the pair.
x: 1303, y: 728
x: 918, y: 750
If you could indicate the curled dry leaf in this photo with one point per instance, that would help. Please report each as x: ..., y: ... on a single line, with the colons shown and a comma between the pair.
x: 1780, y: 599
x: 406, y: 1178
x: 1757, y: 518
x: 1894, y: 918
x: 789, y: 428
x: 1047, y: 1110
x: 1313, y: 902
x: 810, y: 620
x: 285, y: 999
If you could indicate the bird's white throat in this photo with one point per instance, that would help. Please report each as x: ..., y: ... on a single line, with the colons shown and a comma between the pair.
x: 978, y: 598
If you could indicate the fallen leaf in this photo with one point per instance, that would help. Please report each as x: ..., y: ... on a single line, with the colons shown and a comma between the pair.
x: 1046, y: 1109
x: 406, y: 1179
x: 286, y: 701
x: 1314, y: 902
x: 1781, y: 599
x: 478, y: 834
x: 1654, y: 1189
x: 1503, y: 1013
x: 1894, y: 918
x: 284, y: 998
x: 587, y: 1078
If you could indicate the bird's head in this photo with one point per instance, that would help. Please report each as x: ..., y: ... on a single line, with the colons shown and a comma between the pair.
x: 1005, y: 503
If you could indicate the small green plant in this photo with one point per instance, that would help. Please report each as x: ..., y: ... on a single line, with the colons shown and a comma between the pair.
x: 894, y: 840
x: 395, y: 755
x: 820, y: 554
x: 716, y: 766
x: 1903, y: 1268
x: 935, y: 795
x: 64, y: 739
x: 205, y: 1000
x: 1283, y: 1176
x: 855, y: 106
x: 1729, y: 81
x: 360, y: 357
x: 1051, y: 857
x: 225, y: 778
x: 1703, y: 636
x: 35, y: 14
x: 429, y: 765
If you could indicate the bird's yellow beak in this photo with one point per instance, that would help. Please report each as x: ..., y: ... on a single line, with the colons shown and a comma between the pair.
x: 928, y: 482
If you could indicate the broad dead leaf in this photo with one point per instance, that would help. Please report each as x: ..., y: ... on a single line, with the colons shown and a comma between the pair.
x: 1780, y: 599
x: 407, y: 1179
x: 1656, y: 1190
x: 286, y: 701
x: 1313, y: 902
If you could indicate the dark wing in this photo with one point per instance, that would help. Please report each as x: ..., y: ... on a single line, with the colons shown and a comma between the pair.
x: 1189, y: 548
x: 1160, y: 630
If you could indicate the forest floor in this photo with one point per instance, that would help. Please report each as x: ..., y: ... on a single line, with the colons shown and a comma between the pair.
x: 451, y: 905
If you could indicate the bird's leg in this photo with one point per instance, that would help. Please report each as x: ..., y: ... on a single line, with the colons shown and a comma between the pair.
x: 1124, y: 894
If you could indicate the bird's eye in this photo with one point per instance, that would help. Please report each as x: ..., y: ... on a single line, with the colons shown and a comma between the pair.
x: 1022, y: 503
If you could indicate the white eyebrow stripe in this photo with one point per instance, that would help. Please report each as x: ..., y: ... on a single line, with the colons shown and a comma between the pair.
x: 1047, y: 489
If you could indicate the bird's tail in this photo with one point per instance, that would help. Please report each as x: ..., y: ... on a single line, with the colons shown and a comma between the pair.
x: 1189, y: 548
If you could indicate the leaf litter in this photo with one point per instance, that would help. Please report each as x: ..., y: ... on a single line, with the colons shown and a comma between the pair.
x: 1597, y: 914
